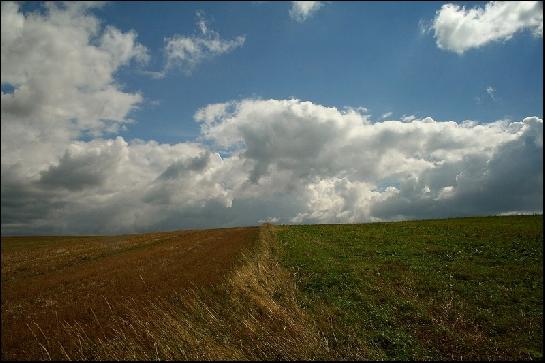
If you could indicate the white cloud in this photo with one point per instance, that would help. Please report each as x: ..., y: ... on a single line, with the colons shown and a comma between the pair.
x: 342, y: 168
x: 458, y: 29
x: 122, y: 47
x: 302, y: 10
x: 297, y: 161
x: 488, y: 95
x: 386, y: 115
x: 491, y: 91
x: 61, y: 65
x: 424, y: 26
x: 408, y: 118
x: 187, y: 52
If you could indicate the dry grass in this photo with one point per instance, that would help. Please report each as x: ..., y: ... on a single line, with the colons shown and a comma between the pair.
x: 252, y: 314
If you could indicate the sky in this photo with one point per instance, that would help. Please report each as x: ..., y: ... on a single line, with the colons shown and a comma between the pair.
x: 124, y: 117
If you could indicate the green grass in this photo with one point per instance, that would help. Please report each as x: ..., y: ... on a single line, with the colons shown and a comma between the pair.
x: 468, y: 288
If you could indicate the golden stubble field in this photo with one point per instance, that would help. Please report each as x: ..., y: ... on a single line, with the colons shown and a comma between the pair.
x: 63, y: 297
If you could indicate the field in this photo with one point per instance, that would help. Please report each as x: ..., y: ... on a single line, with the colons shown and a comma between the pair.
x: 459, y: 289
x: 49, y: 282
x: 454, y: 289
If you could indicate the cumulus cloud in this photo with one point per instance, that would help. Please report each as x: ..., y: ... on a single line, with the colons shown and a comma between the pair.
x: 290, y: 162
x: 85, y: 165
x: 186, y: 52
x: 347, y: 169
x: 302, y: 10
x: 276, y: 160
x: 458, y: 29
x: 61, y: 68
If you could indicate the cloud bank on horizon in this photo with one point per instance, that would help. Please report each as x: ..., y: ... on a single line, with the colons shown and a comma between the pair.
x: 64, y: 170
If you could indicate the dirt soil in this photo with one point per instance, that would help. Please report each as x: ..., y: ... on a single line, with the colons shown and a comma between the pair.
x: 50, y: 280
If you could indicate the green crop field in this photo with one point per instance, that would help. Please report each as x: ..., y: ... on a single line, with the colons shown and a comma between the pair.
x: 469, y: 288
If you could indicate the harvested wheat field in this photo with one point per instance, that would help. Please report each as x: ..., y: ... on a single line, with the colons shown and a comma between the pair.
x: 61, y: 296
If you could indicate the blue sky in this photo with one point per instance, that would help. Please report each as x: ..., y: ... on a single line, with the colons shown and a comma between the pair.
x: 359, y: 54
x: 139, y: 116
